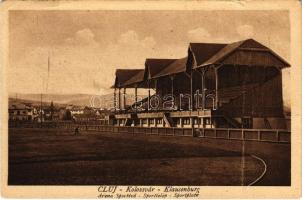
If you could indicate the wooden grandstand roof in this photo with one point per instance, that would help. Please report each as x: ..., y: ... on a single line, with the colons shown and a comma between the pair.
x: 203, y: 51
x: 227, y: 50
x: 123, y: 75
x: 154, y: 66
x: 177, y: 66
x: 135, y: 79
x: 204, y: 54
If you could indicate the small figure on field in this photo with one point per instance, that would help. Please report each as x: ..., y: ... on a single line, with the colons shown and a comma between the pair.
x: 76, y: 131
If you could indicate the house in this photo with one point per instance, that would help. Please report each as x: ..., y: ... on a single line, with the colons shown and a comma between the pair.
x: 21, y: 112
x: 235, y: 85
x: 62, y: 113
x: 75, y: 109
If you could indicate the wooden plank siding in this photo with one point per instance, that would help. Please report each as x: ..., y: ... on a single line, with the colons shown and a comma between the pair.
x: 262, y: 101
x: 250, y: 57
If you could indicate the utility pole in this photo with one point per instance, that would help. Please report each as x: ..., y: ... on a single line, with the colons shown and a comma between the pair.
x: 48, y: 70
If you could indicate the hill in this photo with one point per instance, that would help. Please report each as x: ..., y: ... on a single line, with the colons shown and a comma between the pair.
x: 103, y: 101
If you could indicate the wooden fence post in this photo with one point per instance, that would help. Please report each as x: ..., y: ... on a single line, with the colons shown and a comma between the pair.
x: 277, y: 135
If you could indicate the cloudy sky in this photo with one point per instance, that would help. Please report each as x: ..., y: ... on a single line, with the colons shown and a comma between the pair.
x: 85, y: 47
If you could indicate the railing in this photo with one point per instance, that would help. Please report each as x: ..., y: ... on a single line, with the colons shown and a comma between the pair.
x: 51, y: 124
x: 123, y: 116
x: 270, y: 135
x: 263, y: 135
x: 160, y: 113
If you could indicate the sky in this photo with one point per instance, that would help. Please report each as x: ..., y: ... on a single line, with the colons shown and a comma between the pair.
x: 86, y: 47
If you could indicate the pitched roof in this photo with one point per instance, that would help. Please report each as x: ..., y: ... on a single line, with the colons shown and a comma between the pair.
x: 19, y: 106
x: 228, y: 49
x: 222, y: 53
x: 136, y: 78
x: 122, y: 75
x: 179, y: 65
x: 203, y: 51
x: 204, y: 54
x: 154, y: 66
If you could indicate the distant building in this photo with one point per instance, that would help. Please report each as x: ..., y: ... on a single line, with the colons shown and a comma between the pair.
x: 40, y: 116
x: 61, y: 113
x: 85, y: 117
x: 89, y: 115
x: 75, y: 109
x: 51, y: 113
x: 21, y: 112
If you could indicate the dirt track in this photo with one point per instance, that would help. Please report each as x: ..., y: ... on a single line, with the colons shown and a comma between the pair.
x: 54, y: 157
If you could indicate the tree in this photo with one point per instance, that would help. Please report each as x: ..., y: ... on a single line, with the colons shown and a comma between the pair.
x: 51, y: 110
x: 67, y: 115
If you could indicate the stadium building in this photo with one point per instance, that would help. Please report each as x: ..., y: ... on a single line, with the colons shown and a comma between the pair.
x: 236, y: 85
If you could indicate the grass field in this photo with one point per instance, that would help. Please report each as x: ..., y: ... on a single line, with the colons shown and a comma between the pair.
x: 57, y: 157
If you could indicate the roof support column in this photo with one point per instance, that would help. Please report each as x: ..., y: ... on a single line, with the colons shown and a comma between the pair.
x: 216, y: 87
x: 203, y: 72
x: 191, y: 107
x: 149, y: 95
x: 119, y: 98
x: 124, y: 101
x: 135, y: 91
x: 192, y: 101
x: 172, y: 90
x: 114, y: 99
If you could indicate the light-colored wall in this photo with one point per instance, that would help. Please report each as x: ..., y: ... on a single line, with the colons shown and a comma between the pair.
x: 277, y: 123
x: 258, y: 123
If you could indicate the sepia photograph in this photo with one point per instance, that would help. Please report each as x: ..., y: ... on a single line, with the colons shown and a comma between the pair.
x: 149, y: 97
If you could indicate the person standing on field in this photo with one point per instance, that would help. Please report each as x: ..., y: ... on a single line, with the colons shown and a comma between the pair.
x: 76, y: 130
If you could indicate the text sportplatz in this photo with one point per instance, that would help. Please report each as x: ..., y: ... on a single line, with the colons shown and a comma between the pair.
x: 148, y: 192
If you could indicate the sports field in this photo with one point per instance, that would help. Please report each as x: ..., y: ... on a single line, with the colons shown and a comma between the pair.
x: 58, y: 157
